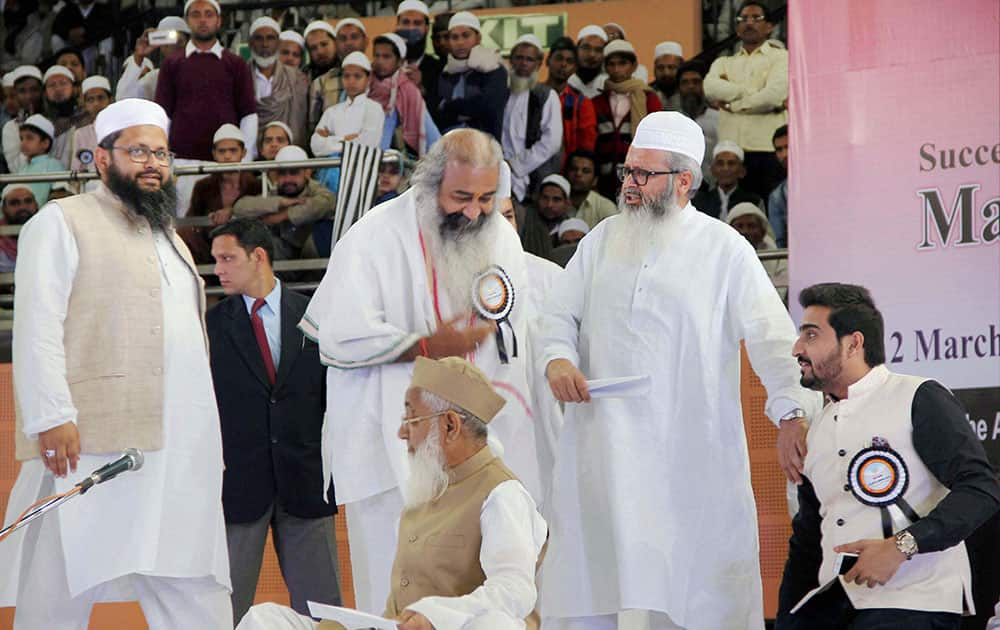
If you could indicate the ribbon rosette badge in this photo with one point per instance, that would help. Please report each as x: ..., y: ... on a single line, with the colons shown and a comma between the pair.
x: 493, y: 299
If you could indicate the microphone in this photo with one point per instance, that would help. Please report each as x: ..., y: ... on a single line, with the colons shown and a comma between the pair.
x: 131, y: 459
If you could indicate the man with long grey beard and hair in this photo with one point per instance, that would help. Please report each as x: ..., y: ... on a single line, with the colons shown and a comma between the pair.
x: 110, y: 353
x: 282, y: 91
x: 654, y: 524
x: 470, y: 534
x: 434, y: 272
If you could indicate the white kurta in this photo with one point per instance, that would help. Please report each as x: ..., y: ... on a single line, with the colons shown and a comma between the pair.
x: 652, y: 505
x: 359, y: 115
x: 373, y: 304
x: 523, y: 160
x: 133, y: 83
x: 163, y: 520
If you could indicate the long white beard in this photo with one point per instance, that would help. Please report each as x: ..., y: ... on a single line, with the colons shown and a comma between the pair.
x: 264, y: 62
x: 640, y: 228
x: 457, y: 258
x: 523, y: 84
x: 428, y: 478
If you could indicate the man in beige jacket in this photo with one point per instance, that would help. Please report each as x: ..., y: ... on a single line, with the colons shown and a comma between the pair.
x: 470, y: 535
x: 110, y: 353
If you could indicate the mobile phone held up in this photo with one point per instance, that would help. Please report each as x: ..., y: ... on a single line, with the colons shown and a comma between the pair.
x: 163, y: 38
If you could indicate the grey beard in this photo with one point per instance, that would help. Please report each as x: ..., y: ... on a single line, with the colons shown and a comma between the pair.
x: 428, y: 478
x: 460, y: 249
x: 692, y: 105
x: 264, y: 62
x: 640, y: 228
x: 523, y: 84
x: 156, y: 206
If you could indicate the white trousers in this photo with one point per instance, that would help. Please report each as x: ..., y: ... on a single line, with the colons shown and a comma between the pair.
x: 372, y: 529
x: 274, y: 617
x: 43, y: 600
x: 625, y: 620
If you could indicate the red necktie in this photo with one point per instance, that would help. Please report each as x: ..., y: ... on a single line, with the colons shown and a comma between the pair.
x: 258, y: 332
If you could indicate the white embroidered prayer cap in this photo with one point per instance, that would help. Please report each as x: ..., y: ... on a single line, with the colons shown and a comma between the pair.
x: 464, y: 18
x: 413, y: 5
x: 58, y: 71
x: 668, y: 48
x: 9, y: 188
x: 41, y: 123
x: 397, y: 41
x: 287, y: 129
x: 727, y: 146
x: 357, y: 58
x: 94, y: 82
x: 592, y: 29
x: 25, y: 72
x: 670, y: 131
x: 320, y: 25
x: 529, y: 38
x: 265, y: 22
x: 173, y: 23
x: 292, y: 36
x: 229, y: 131
x: 621, y: 47
x: 291, y: 153
x: 130, y: 112
x: 350, y: 22
x: 572, y: 225
x: 8, y: 79
x: 187, y: 5
x: 557, y: 180
x: 618, y: 27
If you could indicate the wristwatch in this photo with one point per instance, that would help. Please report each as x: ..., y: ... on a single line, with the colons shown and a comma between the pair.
x: 906, y: 544
x: 795, y: 414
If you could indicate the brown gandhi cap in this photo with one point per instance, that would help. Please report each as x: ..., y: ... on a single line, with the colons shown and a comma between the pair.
x: 459, y: 382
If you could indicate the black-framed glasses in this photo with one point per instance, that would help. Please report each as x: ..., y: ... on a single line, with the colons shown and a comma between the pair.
x: 740, y: 19
x: 140, y: 155
x: 639, y: 175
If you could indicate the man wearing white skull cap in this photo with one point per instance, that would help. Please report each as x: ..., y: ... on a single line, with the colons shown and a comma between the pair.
x: 655, y: 514
x: 667, y: 59
x: 110, y: 353
x: 139, y: 73
x: 282, y: 91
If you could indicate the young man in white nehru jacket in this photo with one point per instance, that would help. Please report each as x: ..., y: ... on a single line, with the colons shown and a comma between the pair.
x: 893, y: 475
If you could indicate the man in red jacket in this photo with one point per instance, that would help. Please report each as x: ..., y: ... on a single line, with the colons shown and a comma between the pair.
x: 579, y: 120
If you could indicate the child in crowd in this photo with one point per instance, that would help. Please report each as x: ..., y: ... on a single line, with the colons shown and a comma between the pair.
x: 36, y: 134
x: 354, y: 119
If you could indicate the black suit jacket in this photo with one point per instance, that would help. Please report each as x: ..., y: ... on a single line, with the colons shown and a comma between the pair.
x: 708, y: 200
x: 270, y: 434
x: 430, y: 70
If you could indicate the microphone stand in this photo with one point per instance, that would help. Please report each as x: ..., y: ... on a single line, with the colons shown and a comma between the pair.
x: 36, y: 510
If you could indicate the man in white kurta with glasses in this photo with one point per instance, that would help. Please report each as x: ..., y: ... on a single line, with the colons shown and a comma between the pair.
x: 110, y: 352
x: 653, y: 523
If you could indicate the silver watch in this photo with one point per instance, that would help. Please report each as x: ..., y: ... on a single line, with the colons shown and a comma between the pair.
x: 906, y: 544
x: 795, y: 414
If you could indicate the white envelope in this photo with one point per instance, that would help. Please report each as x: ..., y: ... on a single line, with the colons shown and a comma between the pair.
x: 350, y: 618
x: 619, y: 387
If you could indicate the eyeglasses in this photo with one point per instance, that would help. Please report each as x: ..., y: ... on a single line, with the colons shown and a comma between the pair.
x: 416, y: 419
x: 740, y: 19
x: 639, y: 176
x: 140, y: 155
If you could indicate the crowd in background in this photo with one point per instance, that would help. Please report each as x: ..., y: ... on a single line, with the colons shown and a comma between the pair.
x: 309, y: 94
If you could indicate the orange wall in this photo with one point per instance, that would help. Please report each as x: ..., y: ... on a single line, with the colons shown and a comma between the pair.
x: 646, y: 22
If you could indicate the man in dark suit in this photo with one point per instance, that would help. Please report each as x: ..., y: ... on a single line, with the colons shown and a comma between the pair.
x: 728, y: 170
x: 271, y: 391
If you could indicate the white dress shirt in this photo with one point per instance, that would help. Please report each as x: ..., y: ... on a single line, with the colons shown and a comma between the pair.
x: 163, y: 520
x: 261, y: 84
x: 270, y: 316
x: 523, y: 161
x: 216, y: 49
x: 359, y: 115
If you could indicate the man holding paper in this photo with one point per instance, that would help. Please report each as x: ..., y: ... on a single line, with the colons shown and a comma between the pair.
x: 470, y: 535
x: 653, y: 510
x: 434, y: 272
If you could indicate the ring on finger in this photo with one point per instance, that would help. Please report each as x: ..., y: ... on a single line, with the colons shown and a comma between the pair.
x: 50, y: 453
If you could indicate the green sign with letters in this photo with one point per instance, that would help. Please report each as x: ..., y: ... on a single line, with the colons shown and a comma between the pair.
x: 501, y: 31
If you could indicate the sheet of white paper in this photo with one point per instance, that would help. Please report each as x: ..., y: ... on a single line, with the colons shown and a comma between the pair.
x: 350, y: 618
x: 619, y: 387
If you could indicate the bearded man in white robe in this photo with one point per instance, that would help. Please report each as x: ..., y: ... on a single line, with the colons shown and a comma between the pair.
x: 400, y: 285
x: 653, y: 520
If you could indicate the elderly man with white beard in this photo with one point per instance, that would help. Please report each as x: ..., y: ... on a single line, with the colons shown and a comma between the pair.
x: 654, y: 523
x: 282, y: 91
x: 434, y: 272
x: 470, y: 533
